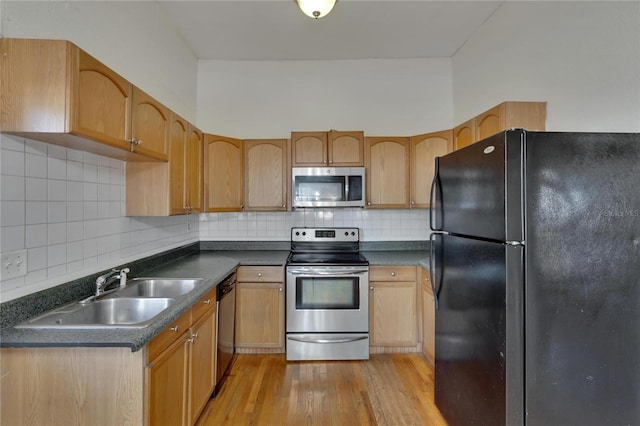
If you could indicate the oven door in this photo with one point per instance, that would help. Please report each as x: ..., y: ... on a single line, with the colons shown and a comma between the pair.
x: 327, y: 299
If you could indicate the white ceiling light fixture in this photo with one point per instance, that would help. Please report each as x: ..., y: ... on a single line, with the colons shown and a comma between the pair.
x: 316, y: 8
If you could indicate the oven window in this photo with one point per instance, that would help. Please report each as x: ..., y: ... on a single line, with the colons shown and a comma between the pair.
x: 327, y: 293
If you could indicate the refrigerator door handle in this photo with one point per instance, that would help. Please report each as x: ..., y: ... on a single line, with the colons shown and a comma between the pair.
x: 436, y: 177
x: 432, y: 239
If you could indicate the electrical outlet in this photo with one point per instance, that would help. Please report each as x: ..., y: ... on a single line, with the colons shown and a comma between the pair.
x: 14, y: 264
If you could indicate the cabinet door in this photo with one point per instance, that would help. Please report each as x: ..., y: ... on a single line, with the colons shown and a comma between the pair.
x: 265, y: 171
x: 346, y: 149
x: 178, y: 165
x: 223, y: 177
x: 308, y: 149
x: 424, y: 149
x: 387, y: 163
x: 202, y: 368
x: 193, y: 173
x: 102, y: 103
x: 464, y: 134
x: 150, y: 126
x: 428, y: 323
x: 260, y: 315
x: 167, y: 381
x: 490, y: 122
x: 392, y: 316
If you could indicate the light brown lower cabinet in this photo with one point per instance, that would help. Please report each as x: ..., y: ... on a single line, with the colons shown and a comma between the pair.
x: 260, y: 309
x: 428, y: 317
x: 393, y: 309
x: 168, y: 382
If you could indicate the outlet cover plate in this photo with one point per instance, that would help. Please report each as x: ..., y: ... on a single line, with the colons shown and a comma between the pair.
x: 14, y: 264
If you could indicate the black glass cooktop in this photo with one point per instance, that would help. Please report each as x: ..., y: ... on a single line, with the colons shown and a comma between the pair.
x: 332, y: 258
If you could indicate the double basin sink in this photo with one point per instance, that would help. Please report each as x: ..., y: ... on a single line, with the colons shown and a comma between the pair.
x: 134, y: 306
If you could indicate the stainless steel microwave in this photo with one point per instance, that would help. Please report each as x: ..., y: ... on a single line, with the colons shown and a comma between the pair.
x: 327, y: 187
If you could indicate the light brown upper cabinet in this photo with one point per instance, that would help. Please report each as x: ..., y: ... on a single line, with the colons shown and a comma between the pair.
x: 185, y: 167
x: 387, y: 172
x: 507, y: 115
x: 266, y: 173
x: 424, y: 149
x: 54, y: 92
x: 149, y: 126
x: 464, y: 134
x: 333, y: 149
x: 223, y: 176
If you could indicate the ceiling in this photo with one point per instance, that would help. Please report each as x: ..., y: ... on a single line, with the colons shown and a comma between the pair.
x: 355, y: 29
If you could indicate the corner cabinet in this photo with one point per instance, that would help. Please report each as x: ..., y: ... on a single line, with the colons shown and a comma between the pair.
x: 260, y: 309
x: 507, y: 115
x: 169, y: 381
x: 387, y: 172
x: 333, y: 149
x: 223, y: 175
x: 393, y: 309
x: 54, y: 92
x: 424, y: 150
x: 266, y: 173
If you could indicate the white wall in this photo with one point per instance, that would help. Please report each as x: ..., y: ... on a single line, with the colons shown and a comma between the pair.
x: 269, y: 99
x: 581, y: 57
x: 134, y: 38
x: 66, y: 208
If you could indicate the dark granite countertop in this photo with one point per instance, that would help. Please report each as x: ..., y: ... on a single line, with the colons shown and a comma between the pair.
x: 213, y: 266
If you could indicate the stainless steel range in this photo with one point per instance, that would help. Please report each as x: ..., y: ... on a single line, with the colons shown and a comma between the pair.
x: 327, y: 293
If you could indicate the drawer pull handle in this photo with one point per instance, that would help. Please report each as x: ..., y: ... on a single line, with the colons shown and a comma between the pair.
x: 175, y: 329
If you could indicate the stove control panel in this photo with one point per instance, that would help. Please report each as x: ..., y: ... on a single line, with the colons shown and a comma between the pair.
x: 325, y: 234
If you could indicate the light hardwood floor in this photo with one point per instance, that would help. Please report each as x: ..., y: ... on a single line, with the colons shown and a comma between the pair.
x: 389, y: 389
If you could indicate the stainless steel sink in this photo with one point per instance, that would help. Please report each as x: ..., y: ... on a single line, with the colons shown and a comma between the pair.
x: 121, y: 312
x: 158, y: 287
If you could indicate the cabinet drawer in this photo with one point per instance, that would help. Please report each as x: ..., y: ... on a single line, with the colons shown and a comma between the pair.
x: 168, y: 336
x: 208, y: 301
x: 392, y: 273
x: 257, y: 274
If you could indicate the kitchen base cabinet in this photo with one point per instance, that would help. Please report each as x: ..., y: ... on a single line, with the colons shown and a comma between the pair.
x: 168, y: 382
x: 428, y: 317
x: 260, y: 309
x: 393, y: 309
x: 71, y: 386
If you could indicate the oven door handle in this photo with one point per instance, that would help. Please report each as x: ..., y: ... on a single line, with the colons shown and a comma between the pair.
x: 323, y: 341
x: 312, y: 273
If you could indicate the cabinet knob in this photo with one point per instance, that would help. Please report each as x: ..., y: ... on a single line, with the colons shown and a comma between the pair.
x: 393, y: 274
x: 284, y: 205
x: 413, y: 202
x: 368, y: 204
x: 207, y: 302
x: 280, y: 289
x: 138, y: 142
x: 259, y: 274
x: 194, y: 336
x: 175, y: 329
x: 371, y: 288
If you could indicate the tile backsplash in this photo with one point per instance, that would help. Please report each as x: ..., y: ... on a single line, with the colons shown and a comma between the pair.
x: 66, y: 208
x: 375, y: 225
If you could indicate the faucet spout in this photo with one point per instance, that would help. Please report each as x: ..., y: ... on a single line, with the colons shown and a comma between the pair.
x: 104, y: 281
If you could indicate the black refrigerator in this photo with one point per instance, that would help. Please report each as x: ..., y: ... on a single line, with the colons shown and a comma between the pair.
x: 536, y: 276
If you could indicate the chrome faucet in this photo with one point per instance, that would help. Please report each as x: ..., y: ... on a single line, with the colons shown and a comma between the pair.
x: 107, y: 279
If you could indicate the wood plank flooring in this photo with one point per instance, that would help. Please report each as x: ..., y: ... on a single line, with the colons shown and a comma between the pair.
x: 388, y: 389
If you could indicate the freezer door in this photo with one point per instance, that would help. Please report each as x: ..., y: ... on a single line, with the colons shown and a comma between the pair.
x: 471, y: 379
x: 477, y: 190
x: 583, y: 279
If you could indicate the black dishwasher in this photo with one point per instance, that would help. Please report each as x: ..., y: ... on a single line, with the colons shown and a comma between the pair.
x: 226, y: 311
